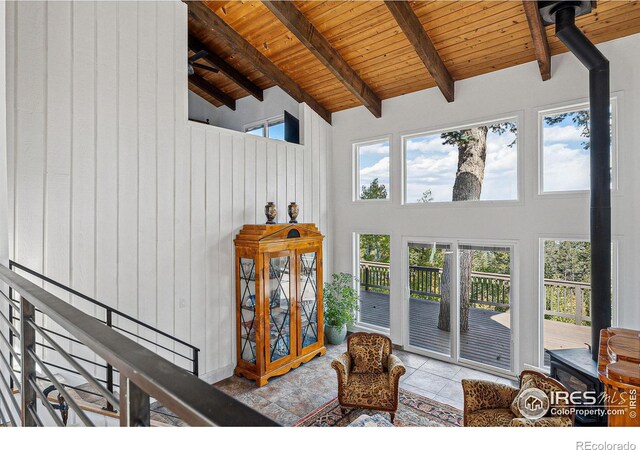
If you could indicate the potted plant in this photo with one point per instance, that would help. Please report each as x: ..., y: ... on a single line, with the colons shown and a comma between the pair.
x: 340, y: 306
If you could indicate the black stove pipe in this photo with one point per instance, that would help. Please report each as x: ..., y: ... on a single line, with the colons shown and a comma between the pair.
x: 599, y: 126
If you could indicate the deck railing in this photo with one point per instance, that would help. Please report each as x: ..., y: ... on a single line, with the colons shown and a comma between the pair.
x: 143, y: 374
x: 566, y: 301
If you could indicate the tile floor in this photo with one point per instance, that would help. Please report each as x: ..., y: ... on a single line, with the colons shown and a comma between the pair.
x: 288, y: 398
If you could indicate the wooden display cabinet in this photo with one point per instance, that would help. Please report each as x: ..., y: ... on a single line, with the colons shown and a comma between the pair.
x: 279, y: 307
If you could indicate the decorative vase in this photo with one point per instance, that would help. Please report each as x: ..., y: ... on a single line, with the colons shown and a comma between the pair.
x: 335, y: 335
x: 271, y: 212
x: 293, y: 212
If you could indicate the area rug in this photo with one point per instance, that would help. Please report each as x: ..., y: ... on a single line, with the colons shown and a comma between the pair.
x: 413, y: 411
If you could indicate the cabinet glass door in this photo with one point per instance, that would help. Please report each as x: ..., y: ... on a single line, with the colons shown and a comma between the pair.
x: 279, y: 308
x: 248, y: 310
x: 308, y: 299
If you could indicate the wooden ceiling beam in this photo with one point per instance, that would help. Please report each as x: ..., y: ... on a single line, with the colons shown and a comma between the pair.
x: 306, y: 33
x: 213, y: 91
x: 225, y: 68
x: 200, y: 12
x: 539, y: 37
x: 417, y: 36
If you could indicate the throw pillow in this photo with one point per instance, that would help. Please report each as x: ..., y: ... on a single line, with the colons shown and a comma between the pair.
x: 367, y: 359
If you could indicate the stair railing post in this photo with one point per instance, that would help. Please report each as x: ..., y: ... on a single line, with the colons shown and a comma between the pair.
x: 195, y: 361
x: 10, y: 339
x: 28, y: 369
x: 134, y: 405
x: 109, y: 367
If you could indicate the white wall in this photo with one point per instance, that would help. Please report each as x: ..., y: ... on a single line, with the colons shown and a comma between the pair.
x: 518, y: 90
x: 114, y: 193
x: 250, y: 110
x: 201, y: 110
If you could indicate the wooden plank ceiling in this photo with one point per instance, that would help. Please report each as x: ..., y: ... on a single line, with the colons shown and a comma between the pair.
x: 470, y: 37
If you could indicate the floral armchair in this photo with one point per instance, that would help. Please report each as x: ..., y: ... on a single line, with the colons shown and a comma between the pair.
x: 368, y: 374
x: 488, y: 404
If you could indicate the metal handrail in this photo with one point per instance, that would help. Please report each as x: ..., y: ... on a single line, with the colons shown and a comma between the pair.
x: 107, y: 308
x: 143, y: 374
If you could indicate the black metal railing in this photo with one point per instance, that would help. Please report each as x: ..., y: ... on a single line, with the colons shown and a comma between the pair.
x: 142, y: 374
x: 565, y: 301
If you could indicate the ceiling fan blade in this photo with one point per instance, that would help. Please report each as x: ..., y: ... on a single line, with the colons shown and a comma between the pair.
x: 198, y: 55
x: 202, y: 66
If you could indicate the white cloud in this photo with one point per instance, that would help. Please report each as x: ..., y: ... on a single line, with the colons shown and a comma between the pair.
x: 378, y: 170
x: 565, y: 168
x: 380, y: 148
x: 562, y: 134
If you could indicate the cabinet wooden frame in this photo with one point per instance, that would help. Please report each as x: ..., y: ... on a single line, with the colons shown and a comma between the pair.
x: 261, y: 244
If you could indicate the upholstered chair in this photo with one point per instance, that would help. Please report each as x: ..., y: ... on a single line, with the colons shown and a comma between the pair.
x: 488, y: 404
x: 368, y: 374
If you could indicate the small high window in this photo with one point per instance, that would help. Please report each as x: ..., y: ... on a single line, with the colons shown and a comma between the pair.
x: 565, y: 149
x: 273, y: 129
x: 373, y: 174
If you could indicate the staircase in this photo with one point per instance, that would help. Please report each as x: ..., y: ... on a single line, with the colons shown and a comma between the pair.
x: 104, y: 369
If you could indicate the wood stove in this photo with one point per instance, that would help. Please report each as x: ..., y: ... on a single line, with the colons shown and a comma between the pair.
x: 579, y: 373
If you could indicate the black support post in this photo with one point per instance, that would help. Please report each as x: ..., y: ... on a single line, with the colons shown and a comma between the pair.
x: 600, y: 147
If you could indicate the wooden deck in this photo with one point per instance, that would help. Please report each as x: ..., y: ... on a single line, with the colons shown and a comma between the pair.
x: 488, y: 338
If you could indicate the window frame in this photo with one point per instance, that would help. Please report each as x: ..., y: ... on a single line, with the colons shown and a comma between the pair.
x: 355, y: 172
x: 265, y: 123
x: 573, y: 106
x: 541, y: 291
x: 519, y: 119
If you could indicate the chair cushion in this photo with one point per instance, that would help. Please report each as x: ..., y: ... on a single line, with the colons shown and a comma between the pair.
x: 368, y: 390
x: 367, y: 358
x: 499, y: 417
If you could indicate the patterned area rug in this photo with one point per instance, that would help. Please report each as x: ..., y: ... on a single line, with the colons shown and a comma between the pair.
x: 413, y: 411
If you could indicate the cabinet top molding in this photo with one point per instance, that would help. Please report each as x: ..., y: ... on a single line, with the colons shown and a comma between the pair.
x: 255, y: 234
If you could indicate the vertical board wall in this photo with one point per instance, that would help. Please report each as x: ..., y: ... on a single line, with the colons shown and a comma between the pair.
x: 113, y: 192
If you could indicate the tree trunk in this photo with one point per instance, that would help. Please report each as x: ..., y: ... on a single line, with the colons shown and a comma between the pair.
x: 472, y: 154
x: 444, y: 321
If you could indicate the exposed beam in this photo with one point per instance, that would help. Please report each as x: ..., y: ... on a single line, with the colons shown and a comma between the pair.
x: 213, y: 91
x: 225, y: 68
x: 200, y: 12
x: 539, y: 37
x: 417, y: 36
x: 304, y: 30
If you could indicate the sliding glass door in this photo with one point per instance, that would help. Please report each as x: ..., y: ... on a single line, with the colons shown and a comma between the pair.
x: 459, y: 301
x: 430, y: 296
x: 485, y: 305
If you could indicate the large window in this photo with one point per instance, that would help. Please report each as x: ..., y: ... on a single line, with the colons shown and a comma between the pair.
x: 372, y: 175
x: 565, y: 149
x: 478, y: 162
x: 375, y: 279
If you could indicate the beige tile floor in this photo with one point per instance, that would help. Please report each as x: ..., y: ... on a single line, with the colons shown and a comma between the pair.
x: 288, y: 398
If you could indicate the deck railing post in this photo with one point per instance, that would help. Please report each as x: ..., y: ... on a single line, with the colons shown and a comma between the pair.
x: 366, y: 278
x: 134, y: 405
x: 195, y: 361
x: 578, y: 305
x: 28, y: 369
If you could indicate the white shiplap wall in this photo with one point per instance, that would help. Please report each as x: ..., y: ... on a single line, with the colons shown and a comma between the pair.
x: 114, y: 193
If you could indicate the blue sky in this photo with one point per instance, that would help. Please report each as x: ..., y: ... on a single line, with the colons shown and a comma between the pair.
x: 374, y: 163
x: 565, y: 162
